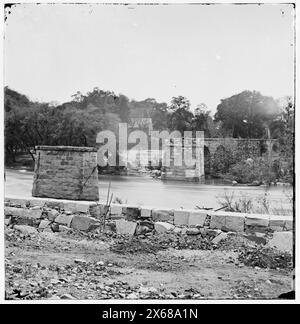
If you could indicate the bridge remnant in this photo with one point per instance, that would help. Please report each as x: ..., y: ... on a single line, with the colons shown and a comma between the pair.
x: 238, y: 149
x: 66, y: 172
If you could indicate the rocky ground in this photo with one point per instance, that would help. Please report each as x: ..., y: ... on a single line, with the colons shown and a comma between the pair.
x: 94, y: 265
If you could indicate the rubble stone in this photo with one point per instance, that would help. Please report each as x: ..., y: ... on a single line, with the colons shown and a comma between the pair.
x: 25, y: 229
x: 84, y: 223
x: 162, y: 227
x: 64, y: 219
x: 125, y: 227
x: 283, y: 241
x: 177, y: 230
x: 222, y: 236
x: 43, y: 224
x: 193, y: 231
x: 52, y: 214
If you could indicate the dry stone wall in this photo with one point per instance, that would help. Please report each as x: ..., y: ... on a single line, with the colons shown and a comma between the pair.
x: 88, y: 215
x: 66, y: 172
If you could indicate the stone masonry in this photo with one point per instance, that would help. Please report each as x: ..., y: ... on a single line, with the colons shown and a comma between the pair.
x: 66, y: 172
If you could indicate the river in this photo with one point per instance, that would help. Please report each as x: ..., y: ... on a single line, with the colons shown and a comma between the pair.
x: 145, y: 191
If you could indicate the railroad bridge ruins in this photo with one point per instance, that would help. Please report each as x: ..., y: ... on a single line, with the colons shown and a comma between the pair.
x: 212, y: 151
x: 216, y: 149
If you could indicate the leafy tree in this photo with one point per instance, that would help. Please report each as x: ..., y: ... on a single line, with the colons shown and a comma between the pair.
x: 247, y: 114
x: 181, y: 118
x: 283, y: 128
x: 203, y: 121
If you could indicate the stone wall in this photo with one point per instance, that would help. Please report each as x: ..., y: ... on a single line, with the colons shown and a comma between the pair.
x: 88, y: 215
x: 66, y: 172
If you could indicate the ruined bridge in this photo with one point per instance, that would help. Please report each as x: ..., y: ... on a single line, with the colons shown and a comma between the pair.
x: 216, y: 149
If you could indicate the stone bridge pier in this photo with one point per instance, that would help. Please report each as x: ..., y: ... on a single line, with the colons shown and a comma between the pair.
x: 66, y: 172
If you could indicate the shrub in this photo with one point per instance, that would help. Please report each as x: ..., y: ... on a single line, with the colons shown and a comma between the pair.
x: 257, y: 170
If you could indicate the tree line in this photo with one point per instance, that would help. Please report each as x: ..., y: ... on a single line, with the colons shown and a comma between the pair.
x: 248, y: 114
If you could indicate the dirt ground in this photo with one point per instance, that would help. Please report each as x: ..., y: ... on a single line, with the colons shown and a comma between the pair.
x: 74, y: 266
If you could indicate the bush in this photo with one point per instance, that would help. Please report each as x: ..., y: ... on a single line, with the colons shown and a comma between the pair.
x: 249, y: 171
x: 222, y: 161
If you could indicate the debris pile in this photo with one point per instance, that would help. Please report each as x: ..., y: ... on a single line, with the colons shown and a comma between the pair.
x: 263, y: 257
x: 154, y: 242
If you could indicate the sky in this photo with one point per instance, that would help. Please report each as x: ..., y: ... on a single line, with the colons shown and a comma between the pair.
x: 203, y: 52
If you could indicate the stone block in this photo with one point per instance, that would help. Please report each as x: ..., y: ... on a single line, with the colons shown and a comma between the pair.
x: 52, y: 214
x: 181, y: 217
x: 23, y: 212
x: 84, y: 223
x: 257, y: 220
x: 217, y: 221
x: 161, y: 227
x: 289, y: 224
x: 163, y: 215
x: 116, y: 209
x: 146, y: 212
x: 125, y: 227
x: 24, y: 216
x: 277, y: 222
x: 283, y: 241
x: 43, y: 224
x: 235, y: 222
x: 66, y: 172
x: 7, y: 221
x: 197, y: 218
x: 64, y: 219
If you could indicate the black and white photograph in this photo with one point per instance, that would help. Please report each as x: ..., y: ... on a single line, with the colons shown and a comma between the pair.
x: 149, y: 152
